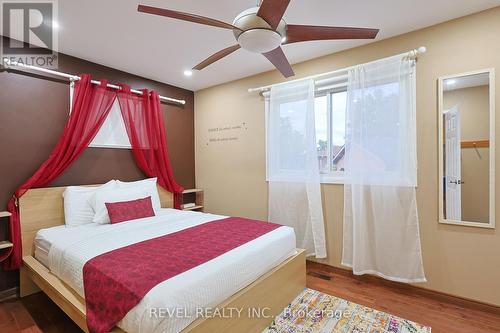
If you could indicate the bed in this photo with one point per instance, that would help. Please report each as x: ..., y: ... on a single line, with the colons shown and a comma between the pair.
x: 266, y: 273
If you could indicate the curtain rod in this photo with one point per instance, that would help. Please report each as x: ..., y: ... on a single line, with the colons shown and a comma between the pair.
x: 412, y: 54
x: 76, y: 78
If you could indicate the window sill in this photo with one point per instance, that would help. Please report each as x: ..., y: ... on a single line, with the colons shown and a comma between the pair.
x: 324, y: 179
x: 332, y: 179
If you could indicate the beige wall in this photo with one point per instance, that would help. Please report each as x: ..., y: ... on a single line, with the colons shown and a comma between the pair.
x: 476, y: 188
x: 474, y: 106
x: 458, y: 260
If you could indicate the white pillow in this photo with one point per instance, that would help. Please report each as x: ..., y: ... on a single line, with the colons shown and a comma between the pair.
x: 101, y: 197
x: 77, y: 209
x: 148, y: 185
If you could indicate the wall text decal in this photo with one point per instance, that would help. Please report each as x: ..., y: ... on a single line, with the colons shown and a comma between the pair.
x: 225, y: 134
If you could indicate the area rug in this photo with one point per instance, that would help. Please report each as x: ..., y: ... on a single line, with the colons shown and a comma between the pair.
x: 316, y: 312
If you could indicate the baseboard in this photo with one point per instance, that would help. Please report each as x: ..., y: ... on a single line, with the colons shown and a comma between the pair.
x: 9, y: 294
x: 408, y: 288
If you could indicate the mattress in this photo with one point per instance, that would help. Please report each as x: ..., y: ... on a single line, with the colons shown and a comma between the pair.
x: 204, y: 286
x: 43, y: 242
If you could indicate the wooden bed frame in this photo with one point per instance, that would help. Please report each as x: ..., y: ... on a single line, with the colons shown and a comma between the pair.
x: 43, y: 208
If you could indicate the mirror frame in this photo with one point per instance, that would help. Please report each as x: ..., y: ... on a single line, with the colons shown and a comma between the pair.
x: 442, y: 219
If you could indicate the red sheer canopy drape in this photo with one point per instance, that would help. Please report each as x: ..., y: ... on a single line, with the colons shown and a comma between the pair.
x: 143, y: 120
x: 91, y: 106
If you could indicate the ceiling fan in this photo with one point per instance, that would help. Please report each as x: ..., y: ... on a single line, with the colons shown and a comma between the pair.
x: 262, y: 29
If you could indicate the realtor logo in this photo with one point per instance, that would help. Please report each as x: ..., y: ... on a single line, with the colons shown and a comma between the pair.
x: 32, y: 28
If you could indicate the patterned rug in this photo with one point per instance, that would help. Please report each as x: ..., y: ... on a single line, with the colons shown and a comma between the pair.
x: 316, y: 312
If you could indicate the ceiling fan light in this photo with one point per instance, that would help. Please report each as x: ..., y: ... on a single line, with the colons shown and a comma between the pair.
x: 260, y: 40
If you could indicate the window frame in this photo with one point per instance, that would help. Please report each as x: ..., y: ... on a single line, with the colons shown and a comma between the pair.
x: 115, y: 125
x: 331, y: 177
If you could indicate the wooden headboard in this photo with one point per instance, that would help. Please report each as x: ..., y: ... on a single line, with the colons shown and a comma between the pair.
x: 43, y: 208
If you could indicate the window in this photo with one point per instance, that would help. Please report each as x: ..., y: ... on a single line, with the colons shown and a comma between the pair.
x: 330, y: 116
x: 112, y: 133
x: 330, y: 123
x: 293, y: 132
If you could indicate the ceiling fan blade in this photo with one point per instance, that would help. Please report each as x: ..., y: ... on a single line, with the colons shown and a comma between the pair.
x: 272, y: 11
x: 217, y: 56
x: 303, y: 33
x: 279, y: 60
x: 185, y: 17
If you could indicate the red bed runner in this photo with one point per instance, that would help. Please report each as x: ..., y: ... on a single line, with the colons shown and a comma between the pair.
x: 116, y: 281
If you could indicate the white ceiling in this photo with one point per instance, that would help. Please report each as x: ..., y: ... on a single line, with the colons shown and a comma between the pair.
x: 114, y: 34
x: 467, y: 81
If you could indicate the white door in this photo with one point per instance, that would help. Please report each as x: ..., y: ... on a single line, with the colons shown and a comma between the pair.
x: 453, y: 195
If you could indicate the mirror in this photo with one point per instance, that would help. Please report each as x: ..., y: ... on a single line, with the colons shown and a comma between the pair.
x: 466, y: 149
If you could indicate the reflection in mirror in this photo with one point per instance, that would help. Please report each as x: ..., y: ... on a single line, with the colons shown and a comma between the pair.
x: 466, y: 140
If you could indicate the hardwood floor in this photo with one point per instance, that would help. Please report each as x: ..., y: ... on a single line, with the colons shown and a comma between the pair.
x: 34, y: 314
x: 442, y: 316
x: 38, y: 314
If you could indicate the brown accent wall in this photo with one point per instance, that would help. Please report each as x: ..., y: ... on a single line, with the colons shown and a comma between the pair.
x: 33, y: 112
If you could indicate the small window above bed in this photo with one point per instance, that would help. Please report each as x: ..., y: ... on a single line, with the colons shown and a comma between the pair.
x: 113, y: 133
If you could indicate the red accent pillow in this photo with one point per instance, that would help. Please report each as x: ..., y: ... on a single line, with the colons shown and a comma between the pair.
x: 130, y: 210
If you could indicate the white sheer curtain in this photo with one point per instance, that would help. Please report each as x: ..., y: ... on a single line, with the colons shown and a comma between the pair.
x: 292, y: 165
x: 381, y: 230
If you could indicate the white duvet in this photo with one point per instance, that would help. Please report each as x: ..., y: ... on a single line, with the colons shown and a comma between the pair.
x: 204, y: 286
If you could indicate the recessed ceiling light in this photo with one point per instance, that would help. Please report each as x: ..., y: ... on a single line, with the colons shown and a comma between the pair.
x: 55, y: 24
x: 450, y: 82
x: 188, y: 72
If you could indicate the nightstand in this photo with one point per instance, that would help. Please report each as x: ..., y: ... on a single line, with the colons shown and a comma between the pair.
x: 5, y: 244
x: 192, y: 200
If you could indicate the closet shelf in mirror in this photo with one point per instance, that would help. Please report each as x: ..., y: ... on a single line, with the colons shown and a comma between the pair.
x: 475, y: 144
